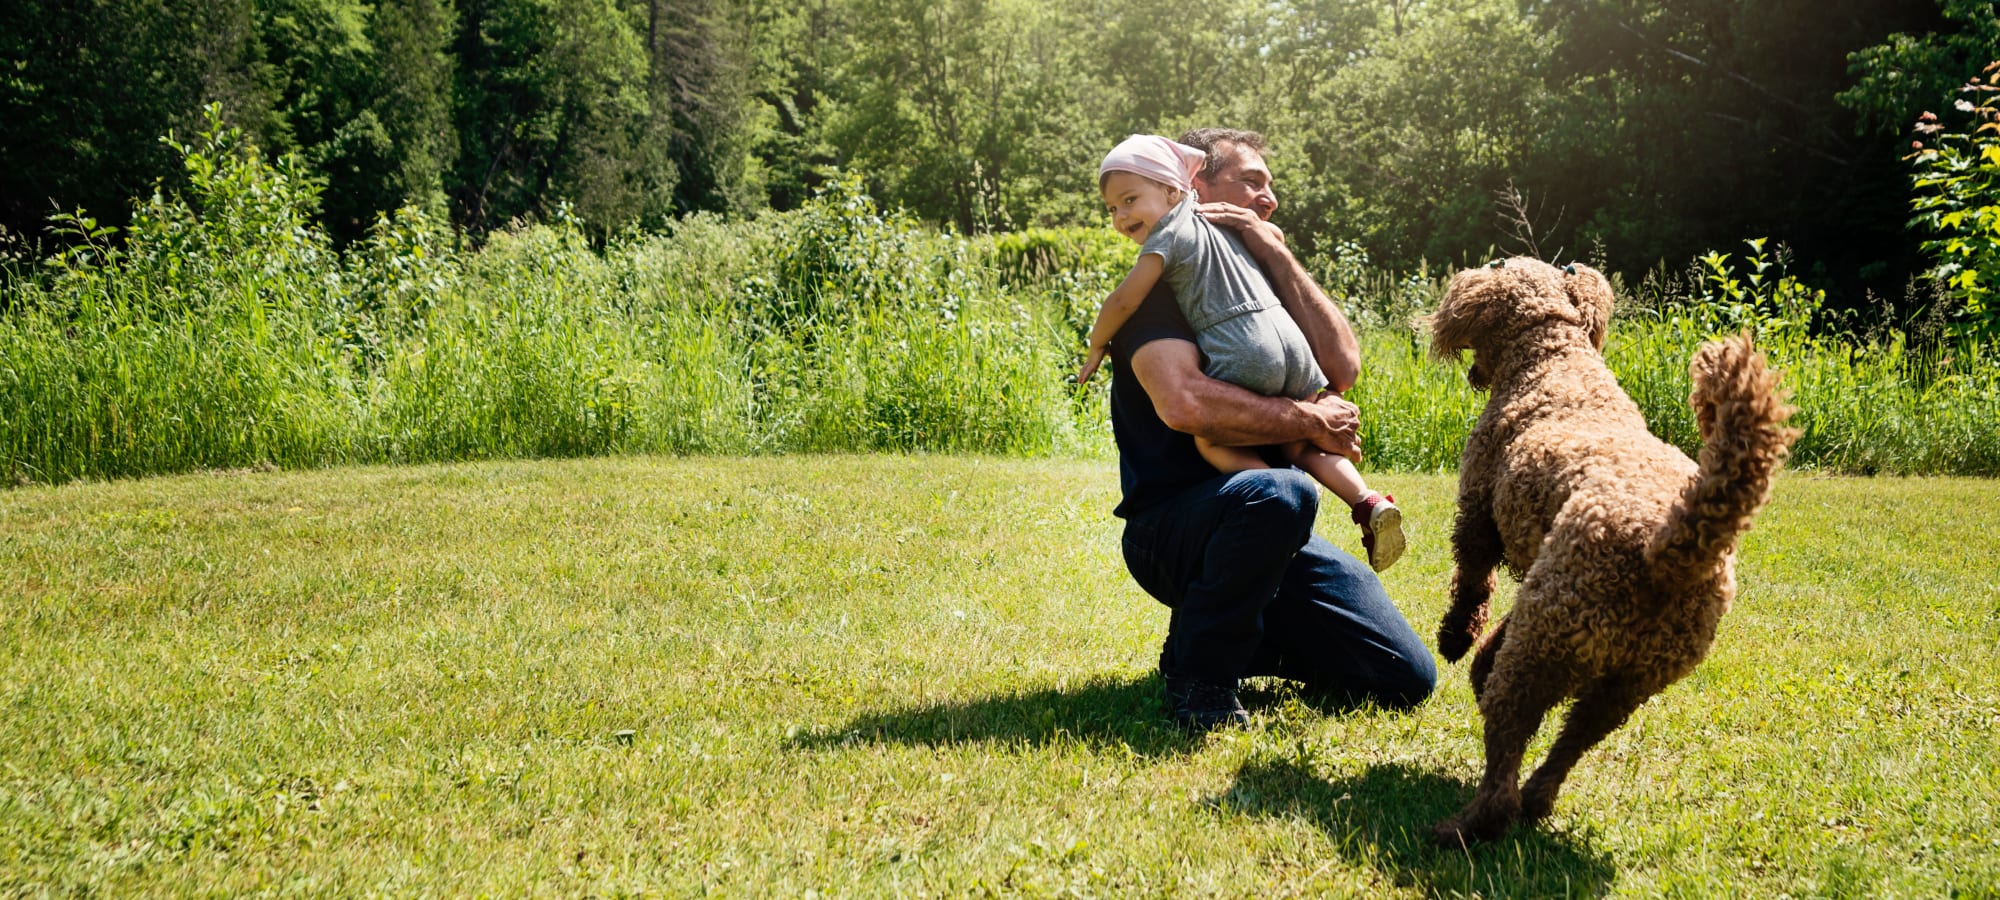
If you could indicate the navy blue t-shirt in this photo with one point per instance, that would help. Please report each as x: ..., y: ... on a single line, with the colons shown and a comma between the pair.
x: 1154, y: 462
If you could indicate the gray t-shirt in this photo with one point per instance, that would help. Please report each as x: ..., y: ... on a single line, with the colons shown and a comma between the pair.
x: 1240, y: 325
x: 1210, y: 271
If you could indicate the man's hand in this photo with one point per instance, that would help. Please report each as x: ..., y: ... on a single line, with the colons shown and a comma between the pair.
x: 1258, y: 236
x: 1340, y: 423
x: 1192, y: 403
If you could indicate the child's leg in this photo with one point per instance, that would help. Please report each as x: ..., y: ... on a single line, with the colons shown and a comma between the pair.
x: 1229, y: 460
x: 1331, y: 469
x: 1380, y: 519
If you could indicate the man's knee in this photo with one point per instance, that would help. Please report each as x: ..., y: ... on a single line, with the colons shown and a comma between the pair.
x: 1412, y: 687
x: 1401, y: 684
x: 1287, y: 492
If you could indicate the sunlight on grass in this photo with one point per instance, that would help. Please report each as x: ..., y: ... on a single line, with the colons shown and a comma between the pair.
x: 905, y: 675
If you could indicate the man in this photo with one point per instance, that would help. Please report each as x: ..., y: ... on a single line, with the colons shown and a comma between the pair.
x: 1252, y: 589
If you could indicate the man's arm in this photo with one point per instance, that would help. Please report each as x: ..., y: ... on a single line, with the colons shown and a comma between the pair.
x: 1193, y: 403
x: 1325, y: 327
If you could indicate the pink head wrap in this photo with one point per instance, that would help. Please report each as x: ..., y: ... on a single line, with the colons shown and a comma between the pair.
x: 1167, y: 162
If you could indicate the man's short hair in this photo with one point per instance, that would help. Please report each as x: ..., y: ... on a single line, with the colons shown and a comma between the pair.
x: 1205, y: 139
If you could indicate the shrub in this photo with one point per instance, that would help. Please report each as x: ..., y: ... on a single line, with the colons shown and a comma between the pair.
x: 1957, y: 200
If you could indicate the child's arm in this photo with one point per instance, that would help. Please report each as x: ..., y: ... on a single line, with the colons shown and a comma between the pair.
x: 1119, y: 307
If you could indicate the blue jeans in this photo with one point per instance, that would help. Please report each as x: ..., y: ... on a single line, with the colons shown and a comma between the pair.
x: 1255, y: 592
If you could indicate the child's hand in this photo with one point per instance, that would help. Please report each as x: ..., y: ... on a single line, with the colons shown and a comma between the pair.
x: 1090, y: 364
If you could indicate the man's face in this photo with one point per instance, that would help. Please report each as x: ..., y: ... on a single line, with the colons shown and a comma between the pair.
x: 1241, y: 178
x: 1137, y: 203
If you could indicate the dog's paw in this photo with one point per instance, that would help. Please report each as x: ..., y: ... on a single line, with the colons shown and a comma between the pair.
x: 1538, y: 798
x: 1468, y: 828
x: 1536, y: 805
x: 1448, y: 835
x: 1453, y: 643
x: 1459, y: 834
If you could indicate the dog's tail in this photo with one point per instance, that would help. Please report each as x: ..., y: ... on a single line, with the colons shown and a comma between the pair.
x: 1741, y: 413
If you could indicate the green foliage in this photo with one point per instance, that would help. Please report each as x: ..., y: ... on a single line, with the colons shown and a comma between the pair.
x: 872, y: 333
x: 1068, y: 271
x: 1911, y: 70
x: 89, y: 88
x: 1682, y: 126
x: 1029, y: 255
x: 239, y: 221
x: 1455, y: 94
x: 394, y: 280
x: 226, y: 330
x: 195, y: 341
x: 834, y: 259
x: 1958, y: 202
x: 1758, y: 294
x: 557, y: 111
x: 1393, y: 124
x: 413, y: 103
x: 968, y: 113
x: 1415, y: 412
x: 1374, y: 297
x: 1874, y: 405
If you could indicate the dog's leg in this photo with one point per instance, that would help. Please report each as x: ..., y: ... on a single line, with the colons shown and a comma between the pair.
x: 1599, y: 710
x: 1482, y: 662
x: 1519, y: 693
x: 1476, y: 547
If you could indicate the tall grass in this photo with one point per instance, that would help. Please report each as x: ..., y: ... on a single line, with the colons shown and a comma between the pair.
x: 1873, y: 404
x: 223, y: 330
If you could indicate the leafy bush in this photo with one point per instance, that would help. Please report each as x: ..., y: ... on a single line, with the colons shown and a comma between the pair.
x: 1958, y: 200
x: 1373, y: 297
x: 1874, y: 405
x: 192, y: 341
x: 223, y: 330
x: 1023, y: 258
x: 873, y: 333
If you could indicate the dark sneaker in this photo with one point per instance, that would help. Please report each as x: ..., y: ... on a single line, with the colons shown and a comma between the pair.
x: 1200, y: 706
x: 1381, y: 522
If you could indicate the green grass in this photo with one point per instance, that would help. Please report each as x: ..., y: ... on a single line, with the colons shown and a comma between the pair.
x: 895, y: 675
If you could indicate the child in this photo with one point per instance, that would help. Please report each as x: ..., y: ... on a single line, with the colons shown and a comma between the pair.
x: 1243, y: 330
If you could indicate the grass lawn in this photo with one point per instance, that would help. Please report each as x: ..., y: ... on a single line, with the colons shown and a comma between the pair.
x: 906, y: 676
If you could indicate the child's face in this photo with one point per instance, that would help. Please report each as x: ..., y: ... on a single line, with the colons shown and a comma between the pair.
x: 1137, y: 203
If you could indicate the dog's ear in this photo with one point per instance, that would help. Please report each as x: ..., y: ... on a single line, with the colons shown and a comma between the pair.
x: 1590, y: 292
x: 1455, y: 321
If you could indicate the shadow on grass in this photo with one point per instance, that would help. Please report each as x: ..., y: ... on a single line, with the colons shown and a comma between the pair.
x: 1382, y: 818
x: 1105, y: 712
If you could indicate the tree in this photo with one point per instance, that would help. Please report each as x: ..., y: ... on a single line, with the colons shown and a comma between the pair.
x: 414, y: 71
x: 87, y: 89
x: 1910, y: 72
x: 704, y: 80
x: 1171, y: 63
x: 945, y: 105
x: 1402, y: 146
x: 324, y: 64
x: 1690, y: 125
x: 553, y: 109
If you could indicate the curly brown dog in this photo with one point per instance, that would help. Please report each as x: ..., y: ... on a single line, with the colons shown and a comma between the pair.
x: 1624, y: 546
